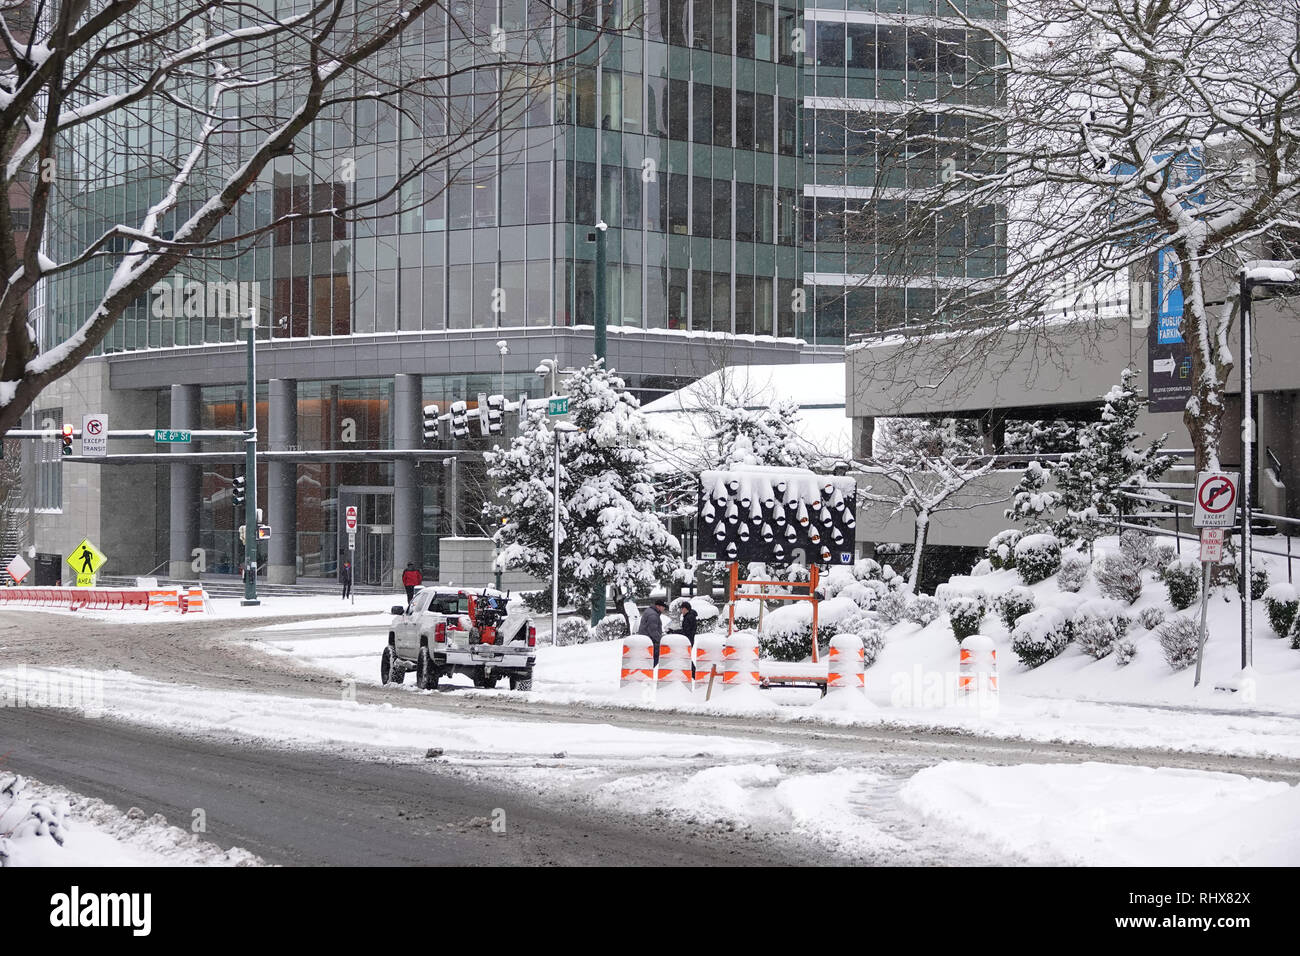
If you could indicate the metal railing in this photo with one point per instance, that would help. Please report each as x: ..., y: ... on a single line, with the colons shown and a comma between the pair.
x: 1181, y: 519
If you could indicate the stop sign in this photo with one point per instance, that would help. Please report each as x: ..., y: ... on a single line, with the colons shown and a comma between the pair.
x: 351, y: 514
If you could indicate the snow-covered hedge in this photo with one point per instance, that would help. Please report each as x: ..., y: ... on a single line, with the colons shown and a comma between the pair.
x: 612, y: 627
x: 1178, y: 638
x: 1136, y: 546
x: 1039, y: 636
x: 1159, y: 556
x: 1118, y: 576
x: 1182, y: 577
x: 1073, y: 573
x: 1258, y: 583
x: 1281, y: 602
x: 1014, y: 604
x: 746, y: 615
x: 572, y: 630
x: 1038, y: 557
x: 25, y: 819
x: 891, y: 607
x: 1151, y: 617
x: 1096, y: 625
x: 873, y: 640
x: 863, y: 595
x: 923, y: 609
x: 1001, y: 551
x: 1125, y: 651
x: 787, y: 631
x: 965, y: 615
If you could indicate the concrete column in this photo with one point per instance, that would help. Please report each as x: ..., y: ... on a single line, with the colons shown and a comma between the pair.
x: 183, y: 537
x: 282, y: 479
x: 863, y: 430
x: 408, y: 510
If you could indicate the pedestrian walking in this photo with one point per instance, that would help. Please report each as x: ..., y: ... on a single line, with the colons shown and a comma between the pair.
x: 345, y: 578
x: 651, y: 624
x: 411, y: 579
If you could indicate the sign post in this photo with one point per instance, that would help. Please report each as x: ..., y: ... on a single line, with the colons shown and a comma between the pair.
x: 94, y: 435
x: 1215, y: 509
x: 350, y: 520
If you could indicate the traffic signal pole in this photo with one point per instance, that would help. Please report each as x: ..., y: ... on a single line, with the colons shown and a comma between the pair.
x: 251, y: 542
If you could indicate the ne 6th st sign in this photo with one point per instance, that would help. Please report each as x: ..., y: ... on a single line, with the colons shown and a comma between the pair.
x: 167, y: 437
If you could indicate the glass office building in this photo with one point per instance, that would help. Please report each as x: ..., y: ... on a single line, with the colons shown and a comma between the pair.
x: 868, y: 61
x: 680, y: 128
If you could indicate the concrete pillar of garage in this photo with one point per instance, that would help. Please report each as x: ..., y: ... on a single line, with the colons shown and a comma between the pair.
x: 183, y: 536
x: 408, y: 502
x: 282, y: 478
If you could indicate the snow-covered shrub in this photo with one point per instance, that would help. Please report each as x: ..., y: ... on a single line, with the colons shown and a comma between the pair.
x: 612, y: 627
x: 1258, y: 583
x: 1073, y: 573
x: 746, y: 615
x: 1281, y: 602
x: 873, y: 640
x: 1135, y: 546
x: 1182, y: 577
x: 1013, y: 604
x: 1118, y: 577
x: 1002, y: 549
x: 865, y: 569
x: 573, y: 630
x: 1178, y: 638
x: 834, y: 581
x: 1038, y: 557
x: 787, y: 634
x: 982, y: 567
x: 1096, y: 625
x: 1159, y: 556
x: 891, y: 607
x: 923, y: 609
x: 1125, y: 651
x: 1151, y: 617
x: 1039, y: 636
x: 22, y: 818
x: 965, y: 615
x: 860, y: 594
x: 708, y: 616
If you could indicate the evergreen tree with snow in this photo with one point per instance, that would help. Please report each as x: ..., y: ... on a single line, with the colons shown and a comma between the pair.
x: 1031, y: 503
x: 765, y: 436
x: 609, y: 529
x: 1091, y: 482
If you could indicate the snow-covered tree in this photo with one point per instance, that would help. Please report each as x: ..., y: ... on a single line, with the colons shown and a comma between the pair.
x: 610, y: 531
x: 1042, y: 437
x: 179, y: 114
x: 1090, y: 482
x: 929, y: 463
x: 1086, y: 136
x: 764, y: 436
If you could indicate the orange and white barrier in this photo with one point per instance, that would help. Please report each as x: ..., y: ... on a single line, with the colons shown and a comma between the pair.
x: 637, y: 677
x: 107, y: 599
x: 708, y: 665
x: 673, y: 674
x: 845, y: 675
x: 977, y: 668
x: 740, y: 664
x: 196, y: 601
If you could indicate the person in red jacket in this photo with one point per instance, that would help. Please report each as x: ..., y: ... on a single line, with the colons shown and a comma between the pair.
x: 411, y: 579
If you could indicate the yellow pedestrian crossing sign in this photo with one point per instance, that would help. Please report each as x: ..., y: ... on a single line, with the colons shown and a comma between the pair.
x: 86, y: 560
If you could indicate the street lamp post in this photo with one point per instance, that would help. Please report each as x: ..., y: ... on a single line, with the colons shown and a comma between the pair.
x: 251, y: 542
x: 1267, y: 276
x: 504, y: 348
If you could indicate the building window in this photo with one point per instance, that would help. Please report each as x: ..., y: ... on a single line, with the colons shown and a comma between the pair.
x: 49, y: 470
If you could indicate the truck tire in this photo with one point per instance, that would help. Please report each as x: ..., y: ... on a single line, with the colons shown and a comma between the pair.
x: 388, y: 670
x: 426, y: 674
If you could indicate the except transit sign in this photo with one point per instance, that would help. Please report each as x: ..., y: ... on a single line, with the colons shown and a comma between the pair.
x: 1216, y: 499
x: 94, y: 435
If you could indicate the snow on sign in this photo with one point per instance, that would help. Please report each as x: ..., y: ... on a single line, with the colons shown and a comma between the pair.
x: 1216, y: 499
x: 1211, y: 545
x: 94, y: 436
x: 778, y: 516
x: 18, y: 569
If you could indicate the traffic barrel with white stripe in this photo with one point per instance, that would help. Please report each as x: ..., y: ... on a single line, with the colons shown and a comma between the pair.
x: 637, y: 675
x: 740, y: 663
x: 977, y: 667
x: 674, y: 671
x: 708, y: 664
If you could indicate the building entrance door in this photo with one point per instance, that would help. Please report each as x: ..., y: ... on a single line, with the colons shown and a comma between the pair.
x: 373, y: 563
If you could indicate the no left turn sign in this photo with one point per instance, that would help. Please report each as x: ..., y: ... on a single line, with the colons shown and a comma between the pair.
x: 1216, y: 499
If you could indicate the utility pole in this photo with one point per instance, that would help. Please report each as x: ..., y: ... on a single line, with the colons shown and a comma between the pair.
x: 252, y: 545
x: 598, y: 589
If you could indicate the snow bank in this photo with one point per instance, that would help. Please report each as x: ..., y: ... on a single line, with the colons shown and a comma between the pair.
x: 1097, y: 814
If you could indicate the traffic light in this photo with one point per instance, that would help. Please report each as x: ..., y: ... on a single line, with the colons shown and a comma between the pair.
x: 459, y: 420
x: 67, y: 440
x: 237, y: 489
x: 433, y: 423
x: 496, y: 413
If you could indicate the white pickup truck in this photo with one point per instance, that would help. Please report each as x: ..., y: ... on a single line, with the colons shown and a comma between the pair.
x: 484, y: 635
